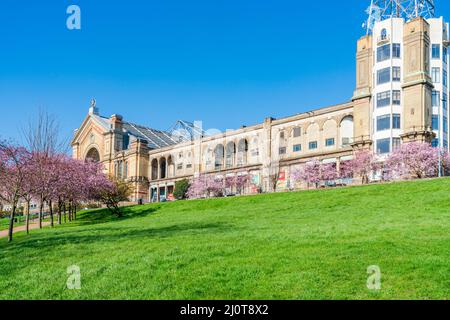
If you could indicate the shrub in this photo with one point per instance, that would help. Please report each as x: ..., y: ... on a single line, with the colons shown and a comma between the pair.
x: 181, y: 189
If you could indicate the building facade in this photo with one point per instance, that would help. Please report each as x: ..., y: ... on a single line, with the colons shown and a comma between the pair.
x: 401, y: 96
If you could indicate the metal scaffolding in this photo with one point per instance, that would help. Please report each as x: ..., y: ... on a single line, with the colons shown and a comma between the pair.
x: 380, y: 10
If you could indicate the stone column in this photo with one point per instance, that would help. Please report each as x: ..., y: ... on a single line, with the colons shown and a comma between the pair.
x: 363, y: 94
x: 417, y: 85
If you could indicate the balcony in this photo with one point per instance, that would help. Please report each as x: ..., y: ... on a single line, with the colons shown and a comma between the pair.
x: 383, y: 40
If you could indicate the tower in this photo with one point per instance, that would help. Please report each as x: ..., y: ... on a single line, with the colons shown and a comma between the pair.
x: 402, y: 76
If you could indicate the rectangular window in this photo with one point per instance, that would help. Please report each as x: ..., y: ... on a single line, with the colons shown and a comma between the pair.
x: 282, y: 150
x: 345, y: 142
x: 444, y: 101
x: 329, y: 142
x: 436, y: 75
x: 396, y: 97
x: 396, y: 50
x: 383, y: 99
x: 180, y: 166
x: 384, y: 53
x: 436, y: 51
x: 297, y: 148
x: 396, y: 142
x: 384, y: 75
x: 313, y: 145
x: 396, y: 74
x: 188, y: 166
x: 435, y: 143
x: 435, y: 122
x: 445, y: 124
x: 444, y: 54
x: 444, y: 78
x: 383, y: 146
x: 383, y: 123
x: 297, y: 132
x: 396, y: 121
x: 436, y: 98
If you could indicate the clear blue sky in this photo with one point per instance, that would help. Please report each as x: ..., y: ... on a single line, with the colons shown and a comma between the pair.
x: 225, y: 62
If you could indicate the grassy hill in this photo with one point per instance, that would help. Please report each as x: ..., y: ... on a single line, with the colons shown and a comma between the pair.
x: 305, y: 245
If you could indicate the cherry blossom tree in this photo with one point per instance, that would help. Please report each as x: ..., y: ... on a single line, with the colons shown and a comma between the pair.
x: 363, y: 164
x: 241, y: 182
x: 205, y: 186
x: 310, y: 173
x: 415, y: 160
x: 13, y: 161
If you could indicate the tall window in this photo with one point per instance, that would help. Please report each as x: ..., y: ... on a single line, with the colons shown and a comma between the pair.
x: 396, y: 97
x: 383, y: 146
x: 297, y: 132
x: 444, y: 78
x: 383, y: 34
x: 383, y: 99
x: 436, y: 74
x: 383, y: 123
x: 445, y: 124
x: 435, y: 122
x: 444, y: 54
x: 396, y: 74
x: 396, y: 50
x: 435, y: 143
x: 444, y: 101
x: 396, y: 121
x: 383, y: 53
x: 384, y: 75
x: 435, y: 98
x: 282, y: 150
x: 436, y: 51
x: 396, y: 142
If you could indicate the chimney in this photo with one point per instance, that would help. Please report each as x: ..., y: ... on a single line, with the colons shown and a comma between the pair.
x: 116, y: 122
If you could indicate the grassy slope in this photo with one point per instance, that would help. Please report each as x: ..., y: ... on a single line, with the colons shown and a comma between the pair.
x: 306, y: 245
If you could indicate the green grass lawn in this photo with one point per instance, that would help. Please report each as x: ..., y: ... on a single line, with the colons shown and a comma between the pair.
x: 305, y: 245
x: 4, y: 222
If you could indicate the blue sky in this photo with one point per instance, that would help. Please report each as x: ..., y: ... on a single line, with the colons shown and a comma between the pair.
x: 224, y: 62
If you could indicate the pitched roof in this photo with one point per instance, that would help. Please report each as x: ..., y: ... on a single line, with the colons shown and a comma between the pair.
x: 156, y: 139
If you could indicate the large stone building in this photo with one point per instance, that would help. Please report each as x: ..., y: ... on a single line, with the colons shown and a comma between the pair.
x: 401, y: 96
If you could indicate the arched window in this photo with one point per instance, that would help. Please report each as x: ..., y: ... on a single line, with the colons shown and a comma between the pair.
x: 242, y: 152
x: 154, y: 169
x: 230, y: 154
x: 171, y: 167
x: 162, y: 168
x: 218, y: 157
x: 93, y: 155
x: 346, y: 131
x: 383, y: 34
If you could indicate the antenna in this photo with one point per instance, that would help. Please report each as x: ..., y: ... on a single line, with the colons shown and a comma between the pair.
x: 380, y: 10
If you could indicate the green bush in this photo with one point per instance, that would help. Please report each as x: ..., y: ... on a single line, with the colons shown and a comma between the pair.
x: 181, y: 189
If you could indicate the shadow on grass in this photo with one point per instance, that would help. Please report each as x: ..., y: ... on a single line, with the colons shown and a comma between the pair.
x: 111, y: 234
x: 104, y: 215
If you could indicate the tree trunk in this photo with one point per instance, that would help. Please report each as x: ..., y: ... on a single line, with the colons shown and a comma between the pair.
x: 70, y: 212
x: 11, y: 223
x: 27, y: 223
x: 41, y: 208
x: 65, y: 215
x: 59, y: 212
x: 50, y: 204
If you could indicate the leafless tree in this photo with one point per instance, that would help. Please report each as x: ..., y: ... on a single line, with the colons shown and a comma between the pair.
x: 43, y: 134
x: 42, y: 137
